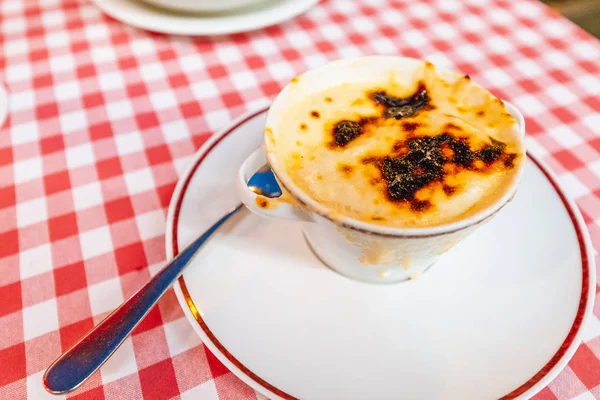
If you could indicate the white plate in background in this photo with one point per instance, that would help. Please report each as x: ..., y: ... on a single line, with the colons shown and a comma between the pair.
x: 144, y: 16
x: 3, y: 105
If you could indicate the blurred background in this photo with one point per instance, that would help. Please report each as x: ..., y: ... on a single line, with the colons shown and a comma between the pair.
x: 585, y: 13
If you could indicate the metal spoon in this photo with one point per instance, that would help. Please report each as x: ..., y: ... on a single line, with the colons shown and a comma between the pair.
x: 78, y: 363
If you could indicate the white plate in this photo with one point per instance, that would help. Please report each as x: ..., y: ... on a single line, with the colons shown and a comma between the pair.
x: 500, y: 315
x: 3, y: 104
x: 145, y: 16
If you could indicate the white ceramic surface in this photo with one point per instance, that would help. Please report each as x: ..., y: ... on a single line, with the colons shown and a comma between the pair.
x: 484, y: 322
x: 394, y: 254
x: 144, y: 16
x: 203, y: 5
x: 3, y: 105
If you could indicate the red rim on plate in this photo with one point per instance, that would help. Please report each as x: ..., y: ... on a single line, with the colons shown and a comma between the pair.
x: 515, y: 393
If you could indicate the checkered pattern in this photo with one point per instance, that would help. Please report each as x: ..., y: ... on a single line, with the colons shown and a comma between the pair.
x: 104, y: 116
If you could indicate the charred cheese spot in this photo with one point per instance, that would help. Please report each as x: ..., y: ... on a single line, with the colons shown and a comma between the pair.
x: 450, y: 126
x: 449, y: 190
x: 402, y: 107
x: 262, y: 202
x: 410, y: 127
x: 345, y: 131
x: 426, y: 160
x: 346, y: 169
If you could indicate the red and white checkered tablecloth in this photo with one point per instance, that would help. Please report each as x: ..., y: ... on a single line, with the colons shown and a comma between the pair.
x: 104, y: 117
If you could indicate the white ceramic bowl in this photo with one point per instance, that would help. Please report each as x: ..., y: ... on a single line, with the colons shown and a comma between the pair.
x: 340, y: 242
x: 203, y: 5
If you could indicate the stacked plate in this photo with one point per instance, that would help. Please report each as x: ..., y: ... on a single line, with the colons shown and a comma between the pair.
x: 203, y: 17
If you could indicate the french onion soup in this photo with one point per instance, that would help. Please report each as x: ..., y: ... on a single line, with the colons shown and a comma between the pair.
x: 402, y: 155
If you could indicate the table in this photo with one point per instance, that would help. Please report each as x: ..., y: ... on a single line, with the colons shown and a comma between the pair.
x: 104, y: 117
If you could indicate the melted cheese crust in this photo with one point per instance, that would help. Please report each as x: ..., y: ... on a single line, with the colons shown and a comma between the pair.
x: 346, y: 180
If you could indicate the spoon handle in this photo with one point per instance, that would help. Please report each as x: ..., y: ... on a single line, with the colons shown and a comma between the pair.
x: 78, y: 363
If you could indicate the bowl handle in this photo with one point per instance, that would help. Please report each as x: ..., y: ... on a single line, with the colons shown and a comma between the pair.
x: 269, y: 207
